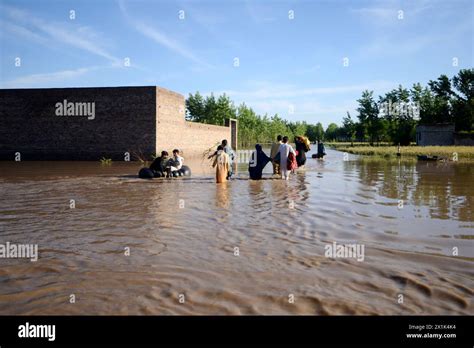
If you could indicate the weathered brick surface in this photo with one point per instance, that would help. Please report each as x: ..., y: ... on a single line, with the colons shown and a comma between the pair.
x: 174, y: 132
x: 139, y: 120
x: 200, y: 137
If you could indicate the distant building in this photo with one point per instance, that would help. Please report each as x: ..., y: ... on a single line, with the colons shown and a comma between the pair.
x: 435, y: 134
x: 464, y: 139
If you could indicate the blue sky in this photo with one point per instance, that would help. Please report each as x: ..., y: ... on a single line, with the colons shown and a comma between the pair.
x: 290, y: 66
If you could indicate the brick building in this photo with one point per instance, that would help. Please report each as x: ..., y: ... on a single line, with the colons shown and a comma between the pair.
x: 435, y: 134
x: 91, y: 123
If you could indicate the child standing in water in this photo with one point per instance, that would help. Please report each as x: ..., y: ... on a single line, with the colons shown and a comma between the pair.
x: 222, y: 165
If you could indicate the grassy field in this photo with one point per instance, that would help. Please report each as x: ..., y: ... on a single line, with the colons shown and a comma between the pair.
x: 464, y: 153
x: 355, y: 144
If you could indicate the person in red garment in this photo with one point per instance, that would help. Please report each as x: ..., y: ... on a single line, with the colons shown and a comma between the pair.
x: 292, y: 162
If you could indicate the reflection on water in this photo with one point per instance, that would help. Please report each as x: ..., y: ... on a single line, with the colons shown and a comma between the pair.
x: 445, y: 189
x: 182, y: 234
x: 223, y: 196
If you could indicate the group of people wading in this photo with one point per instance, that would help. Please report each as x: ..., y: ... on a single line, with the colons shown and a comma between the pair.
x: 282, y: 155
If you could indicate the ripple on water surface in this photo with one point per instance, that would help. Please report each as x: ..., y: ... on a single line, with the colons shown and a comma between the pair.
x: 240, y: 247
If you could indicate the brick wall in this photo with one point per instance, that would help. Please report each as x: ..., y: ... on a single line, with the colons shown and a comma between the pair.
x: 123, y: 122
x: 139, y: 120
x: 200, y: 137
x: 174, y: 132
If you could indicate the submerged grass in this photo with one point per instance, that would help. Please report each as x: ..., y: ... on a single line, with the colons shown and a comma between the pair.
x: 463, y: 153
x: 338, y: 145
x: 106, y: 161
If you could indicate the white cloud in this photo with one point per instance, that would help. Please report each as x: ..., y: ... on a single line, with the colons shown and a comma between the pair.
x: 35, y: 80
x: 265, y: 89
x: 258, y: 12
x: 387, y: 12
x: 395, y: 37
x: 385, y: 46
x: 377, y: 13
x: 308, y: 70
x: 168, y: 42
x: 389, y: 45
x: 45, y: 32
x: 305, y: 107
x: 213, y: 21
x: 161, y: 38
x: 22, y: 32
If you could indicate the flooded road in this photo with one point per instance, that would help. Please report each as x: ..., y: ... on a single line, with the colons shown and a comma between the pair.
x: 189, y: 246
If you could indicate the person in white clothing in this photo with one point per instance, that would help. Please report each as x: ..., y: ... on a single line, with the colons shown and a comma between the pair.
x: 284, y: 151
x: 176, y: 162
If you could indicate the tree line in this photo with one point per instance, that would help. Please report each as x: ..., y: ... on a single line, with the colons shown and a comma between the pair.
x: 252, y: 128
x: 392, y: 118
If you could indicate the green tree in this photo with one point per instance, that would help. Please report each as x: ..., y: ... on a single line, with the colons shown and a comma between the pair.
x: 314, y: 131
x: 332, y: 132
x: 423, y: 99
x: 278, y: 127
x: 369, y: 116
x: 319, y: 131
x: 247, y: 125
x: 210, y: 106
x: 349, y: 128
x: 297, y: 128
x: 195, y: 108
x: 441, y: 88
x: 223, y: 109
x: 463, y: 101
x: 398, y: 116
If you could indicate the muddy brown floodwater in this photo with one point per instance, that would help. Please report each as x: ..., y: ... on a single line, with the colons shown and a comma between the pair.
x: 183, y: 233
